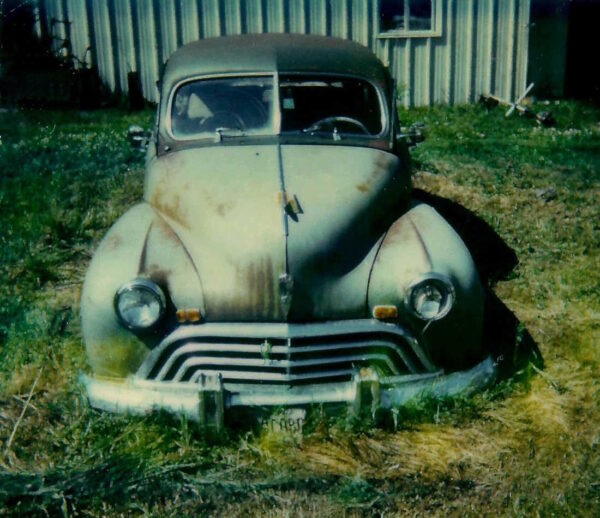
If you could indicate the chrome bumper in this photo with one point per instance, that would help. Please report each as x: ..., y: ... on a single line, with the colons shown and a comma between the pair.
x: 207, y: 400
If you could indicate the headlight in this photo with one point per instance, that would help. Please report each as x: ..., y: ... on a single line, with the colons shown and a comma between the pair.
x: 430, y: 298
x: 139, y: 304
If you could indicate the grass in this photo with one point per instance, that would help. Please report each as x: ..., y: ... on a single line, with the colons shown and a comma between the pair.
x: 528, y: 446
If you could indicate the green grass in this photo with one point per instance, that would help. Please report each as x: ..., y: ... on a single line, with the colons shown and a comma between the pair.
x: 528, y: 445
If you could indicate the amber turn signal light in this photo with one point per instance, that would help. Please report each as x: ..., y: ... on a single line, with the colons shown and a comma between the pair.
x: 187, y: 315
x: 385, y: 312
x: 193, y: 315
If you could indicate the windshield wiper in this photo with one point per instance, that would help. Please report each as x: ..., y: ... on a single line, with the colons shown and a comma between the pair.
x: 333, y: 120
x: 228, y: 132
x: 335, y: 134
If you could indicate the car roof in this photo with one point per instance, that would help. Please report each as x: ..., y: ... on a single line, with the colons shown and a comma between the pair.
x: 252, y: 53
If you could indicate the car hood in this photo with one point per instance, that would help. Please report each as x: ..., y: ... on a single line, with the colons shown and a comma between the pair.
x: 250, y: 215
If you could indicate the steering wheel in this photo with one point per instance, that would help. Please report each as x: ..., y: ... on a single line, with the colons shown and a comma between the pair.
x: 337, y: 118
x: 222, y: 119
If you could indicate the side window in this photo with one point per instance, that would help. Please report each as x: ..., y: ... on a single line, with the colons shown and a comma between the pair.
x: 404, y: 18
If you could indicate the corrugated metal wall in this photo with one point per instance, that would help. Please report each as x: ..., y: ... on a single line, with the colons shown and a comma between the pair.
x: 478, y: 46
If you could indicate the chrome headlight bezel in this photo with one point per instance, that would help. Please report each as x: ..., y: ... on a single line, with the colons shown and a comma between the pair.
x: 437, y: 281
x: 140, y: 285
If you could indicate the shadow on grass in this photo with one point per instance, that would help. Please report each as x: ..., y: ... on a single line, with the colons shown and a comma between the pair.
x: 507, y: 340
x: 123, y: 484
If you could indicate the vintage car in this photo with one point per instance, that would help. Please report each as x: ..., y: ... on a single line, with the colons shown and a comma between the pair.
x: 278, y: 259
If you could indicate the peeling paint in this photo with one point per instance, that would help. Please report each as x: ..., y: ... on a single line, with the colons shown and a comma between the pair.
x: 113, y: 241
x: 169, y: 206
x: 255, y: 297
x: 383, y: 165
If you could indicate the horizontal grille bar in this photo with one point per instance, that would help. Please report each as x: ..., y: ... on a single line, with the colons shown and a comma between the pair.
x: 252, y: 376
x: 281, y: 356
x: 267, y: 355
x: 266, y: 368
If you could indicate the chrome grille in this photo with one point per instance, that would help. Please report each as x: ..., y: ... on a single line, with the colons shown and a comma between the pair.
x: 284, y: 353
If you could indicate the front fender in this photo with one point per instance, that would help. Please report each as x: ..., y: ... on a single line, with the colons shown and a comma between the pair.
x: 139, y: 244
x: 422, y: 242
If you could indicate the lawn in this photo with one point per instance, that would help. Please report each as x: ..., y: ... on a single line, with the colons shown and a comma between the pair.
x: 528, y: 446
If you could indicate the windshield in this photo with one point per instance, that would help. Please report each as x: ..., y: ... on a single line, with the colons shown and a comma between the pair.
x: 324, y: 106
x: 242, y: 105
x: 331, y: 105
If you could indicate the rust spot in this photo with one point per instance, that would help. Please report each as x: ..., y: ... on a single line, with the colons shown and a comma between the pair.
x: 167, y: 232
x: 219, y: 207
x: 259, y: 279
x: 113, y: 242
x: 166, y: 201
x: 381, y: 166
x: 404, y: 231
x: 250, y: 282
x: 383, y: 161
x: 169, y: 208
x: 399, y: 232
x: 172, y: 163
x: 255, y: 296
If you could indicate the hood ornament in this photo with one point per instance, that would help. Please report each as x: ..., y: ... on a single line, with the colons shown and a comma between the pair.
x: 286, y: 284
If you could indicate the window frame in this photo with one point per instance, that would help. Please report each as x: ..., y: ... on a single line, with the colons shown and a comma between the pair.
x: 168, y: 122
x: 381, y: 99
x: 436, y: 23
x: 277, y: 121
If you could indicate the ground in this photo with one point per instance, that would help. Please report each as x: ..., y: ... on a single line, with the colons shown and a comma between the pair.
x: 528, y: 446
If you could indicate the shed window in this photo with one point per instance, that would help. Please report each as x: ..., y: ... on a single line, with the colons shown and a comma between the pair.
x: 403, y: 17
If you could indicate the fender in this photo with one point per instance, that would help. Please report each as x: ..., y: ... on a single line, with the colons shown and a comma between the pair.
x: 139, y: 244
x: 420, y: 242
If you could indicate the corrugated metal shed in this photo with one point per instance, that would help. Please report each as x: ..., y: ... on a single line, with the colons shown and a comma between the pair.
x: 472, y: 47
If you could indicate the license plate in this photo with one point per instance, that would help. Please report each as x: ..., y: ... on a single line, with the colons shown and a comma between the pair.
x: 288, y: 420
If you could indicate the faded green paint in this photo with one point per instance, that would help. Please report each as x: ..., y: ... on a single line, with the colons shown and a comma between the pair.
x: 260, y: 232
x: 117, y: 356
x: 418, y: 243
x: 228, y: 217
x: 222, y: 203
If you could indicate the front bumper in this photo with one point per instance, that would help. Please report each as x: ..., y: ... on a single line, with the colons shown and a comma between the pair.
x: 207, y: 400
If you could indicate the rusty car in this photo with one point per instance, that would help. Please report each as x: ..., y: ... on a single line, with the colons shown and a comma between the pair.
x: 278, y: 259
